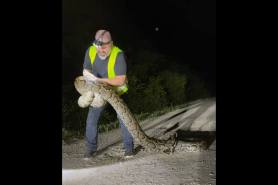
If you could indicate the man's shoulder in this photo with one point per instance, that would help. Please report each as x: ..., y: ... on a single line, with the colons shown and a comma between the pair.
x: 89, y: 47
x: 87, y: 50
x: 121, y: 54
x: 121, y: 57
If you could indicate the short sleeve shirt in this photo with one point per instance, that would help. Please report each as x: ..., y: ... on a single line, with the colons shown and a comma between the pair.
x: 100, y: 67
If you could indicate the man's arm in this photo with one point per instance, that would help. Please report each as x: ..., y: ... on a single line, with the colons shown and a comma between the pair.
x: 116, y: 81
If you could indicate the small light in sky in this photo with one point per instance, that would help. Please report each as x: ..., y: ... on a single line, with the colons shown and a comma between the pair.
x: 156, y: 28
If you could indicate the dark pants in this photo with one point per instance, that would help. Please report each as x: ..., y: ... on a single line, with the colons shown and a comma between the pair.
x: 92, y: 130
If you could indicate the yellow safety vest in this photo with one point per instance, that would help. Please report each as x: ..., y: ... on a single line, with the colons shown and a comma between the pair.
x: 111, y: 66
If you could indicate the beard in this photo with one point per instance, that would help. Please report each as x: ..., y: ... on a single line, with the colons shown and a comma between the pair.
x: 102, y: 57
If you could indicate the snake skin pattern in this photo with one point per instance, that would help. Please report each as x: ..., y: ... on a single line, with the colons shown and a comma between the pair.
x: 108, y: 94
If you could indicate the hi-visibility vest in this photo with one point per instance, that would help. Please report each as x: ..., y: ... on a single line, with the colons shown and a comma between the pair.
x: 111, y: 66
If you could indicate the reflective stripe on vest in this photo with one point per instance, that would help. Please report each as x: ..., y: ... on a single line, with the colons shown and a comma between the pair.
x: 111, y: 66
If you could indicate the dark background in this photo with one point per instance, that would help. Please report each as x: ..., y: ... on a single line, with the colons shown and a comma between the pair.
x: 185, y: 30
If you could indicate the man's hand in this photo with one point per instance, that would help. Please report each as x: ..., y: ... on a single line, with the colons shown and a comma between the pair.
x: 89, y: 76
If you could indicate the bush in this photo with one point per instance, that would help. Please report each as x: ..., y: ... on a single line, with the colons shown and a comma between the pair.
x: 175, y: 87
x: 167, y: 88
x: 153, y: 83
x: 73, y: 116
x: 154, y: 95
x: 196, y: 88
x: 135, y: 94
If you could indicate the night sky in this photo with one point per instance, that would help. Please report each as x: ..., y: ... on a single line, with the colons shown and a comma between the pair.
x: 182, y: 29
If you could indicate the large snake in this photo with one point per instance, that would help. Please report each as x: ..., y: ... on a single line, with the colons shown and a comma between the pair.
x: 108, y: 94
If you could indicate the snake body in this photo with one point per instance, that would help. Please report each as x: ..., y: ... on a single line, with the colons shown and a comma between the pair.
x: 108, y: 94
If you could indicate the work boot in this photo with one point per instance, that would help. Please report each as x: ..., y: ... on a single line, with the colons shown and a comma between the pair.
x: 89, y: 154
x: 129, y: 154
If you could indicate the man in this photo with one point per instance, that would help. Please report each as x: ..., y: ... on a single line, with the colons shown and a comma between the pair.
x: 105, y: 63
